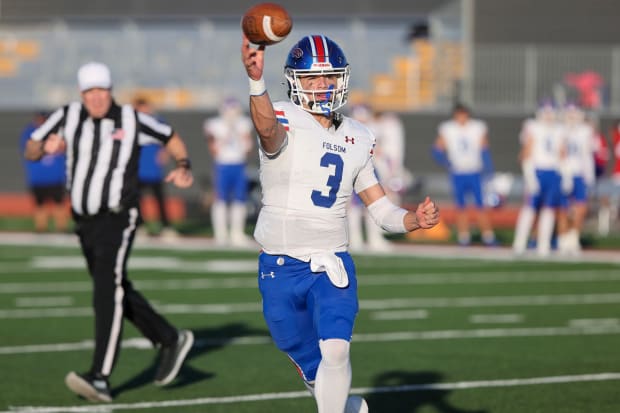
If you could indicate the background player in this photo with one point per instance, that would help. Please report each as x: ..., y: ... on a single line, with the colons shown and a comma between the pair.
x: 229, y: 140
x: 46, y: 180
x: 151, y: 172
x: 357, y: 213
x: 312, y: 159
x: 579, y: 180
x: 462, y: 147
x: 541, y: 153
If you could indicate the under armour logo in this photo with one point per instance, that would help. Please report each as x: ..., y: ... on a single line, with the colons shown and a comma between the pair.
x: 349, y: 139
x: 269, y: 274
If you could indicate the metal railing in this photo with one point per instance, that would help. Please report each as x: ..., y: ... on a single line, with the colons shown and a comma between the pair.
x: 193, y: 64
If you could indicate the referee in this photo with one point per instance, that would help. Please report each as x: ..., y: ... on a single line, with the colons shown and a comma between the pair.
x: 102, y: 143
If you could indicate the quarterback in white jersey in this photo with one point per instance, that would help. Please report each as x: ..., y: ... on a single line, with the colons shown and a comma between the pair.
x: 312, y: 159
x: 314, y: 176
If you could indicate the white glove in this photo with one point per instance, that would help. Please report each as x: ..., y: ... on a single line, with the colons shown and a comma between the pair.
x: 332, y: 265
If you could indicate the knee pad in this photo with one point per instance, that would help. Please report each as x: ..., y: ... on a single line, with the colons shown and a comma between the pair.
x: 334, y: 352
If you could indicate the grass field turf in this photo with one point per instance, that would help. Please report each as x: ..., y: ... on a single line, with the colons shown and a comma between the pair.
x: 433, y: 335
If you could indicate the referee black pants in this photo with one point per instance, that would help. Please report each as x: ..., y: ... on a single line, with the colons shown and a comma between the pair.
x: 106, y: 241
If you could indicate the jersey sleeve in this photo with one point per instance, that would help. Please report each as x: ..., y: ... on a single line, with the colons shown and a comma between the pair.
x: 366, y: 177
x: 152, y: 130
x: 53, y: 124
x: 283, y: 118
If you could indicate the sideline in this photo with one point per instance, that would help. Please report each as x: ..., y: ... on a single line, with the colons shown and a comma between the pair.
x: 188, y: 243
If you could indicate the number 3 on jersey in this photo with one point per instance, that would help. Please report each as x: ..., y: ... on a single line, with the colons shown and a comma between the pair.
x: 333, y: 182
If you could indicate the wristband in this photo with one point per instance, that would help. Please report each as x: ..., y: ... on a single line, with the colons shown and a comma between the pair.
x: 257, y: 87
x: 184, y: 163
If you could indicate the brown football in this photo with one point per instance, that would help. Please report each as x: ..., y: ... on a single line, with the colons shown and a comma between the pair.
x: 266, y: 23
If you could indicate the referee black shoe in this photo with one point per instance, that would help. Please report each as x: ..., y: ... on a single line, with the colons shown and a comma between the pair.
x: 89, y: 386
x: 171, y: 358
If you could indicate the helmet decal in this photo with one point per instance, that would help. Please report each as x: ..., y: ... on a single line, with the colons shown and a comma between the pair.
x: 297, y: 53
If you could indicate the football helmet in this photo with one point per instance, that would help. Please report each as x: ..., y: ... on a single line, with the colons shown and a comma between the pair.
x: 572, y: 113
x: 317, y: 55
x: 230, y: 108
x: 546, y: 111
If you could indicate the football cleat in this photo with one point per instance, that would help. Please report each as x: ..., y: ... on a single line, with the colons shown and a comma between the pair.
x: 356, y: 404
x: 171, y: 358
x: 91, y: 387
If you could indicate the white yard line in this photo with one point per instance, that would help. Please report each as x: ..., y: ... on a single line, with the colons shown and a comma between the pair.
x: 56, y: 301
x: 141, y: 343
x: 399, y: 315
x: 249, y: 281
x: 462, y: 385
x: 365, y: 305
x: 496, y: 318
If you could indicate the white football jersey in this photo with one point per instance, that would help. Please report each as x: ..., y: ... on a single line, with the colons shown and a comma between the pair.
x: 231, y: 138
x: 580, y: 147
x: 547, y: 144
x: 308, y: 183
x: 464, y: 144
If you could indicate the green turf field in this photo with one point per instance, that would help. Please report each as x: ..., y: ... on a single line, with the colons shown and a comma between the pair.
x: 433, y: 335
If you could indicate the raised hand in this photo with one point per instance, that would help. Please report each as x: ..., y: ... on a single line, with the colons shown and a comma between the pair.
x: 252, y: 58
x: 427, y: 214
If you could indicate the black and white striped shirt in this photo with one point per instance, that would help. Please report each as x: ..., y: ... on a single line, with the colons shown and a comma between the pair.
x: 102, y: 154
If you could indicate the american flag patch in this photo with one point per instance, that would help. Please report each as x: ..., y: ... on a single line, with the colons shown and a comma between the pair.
x: 118, y: 134
x: 282, y: 119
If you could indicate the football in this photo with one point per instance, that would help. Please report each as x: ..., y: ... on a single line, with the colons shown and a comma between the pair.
x: 266, y: 24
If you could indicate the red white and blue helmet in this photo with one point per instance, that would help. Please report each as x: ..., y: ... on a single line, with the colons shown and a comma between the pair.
x: 317, y: 55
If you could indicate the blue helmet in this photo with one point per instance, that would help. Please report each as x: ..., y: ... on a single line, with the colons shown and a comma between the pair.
x: 317, y: 55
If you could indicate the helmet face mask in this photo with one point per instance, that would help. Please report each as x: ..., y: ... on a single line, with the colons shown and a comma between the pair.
x: 315, y: 56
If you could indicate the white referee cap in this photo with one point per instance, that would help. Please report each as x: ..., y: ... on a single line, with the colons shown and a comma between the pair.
x: 94, y: 75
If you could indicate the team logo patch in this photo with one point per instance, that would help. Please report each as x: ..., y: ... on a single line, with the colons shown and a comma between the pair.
x: 297, y: 53
x: 118, y: 134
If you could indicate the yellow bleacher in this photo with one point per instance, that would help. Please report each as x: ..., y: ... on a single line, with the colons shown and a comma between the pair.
x: 417, y: 80
x: 15, y: 51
